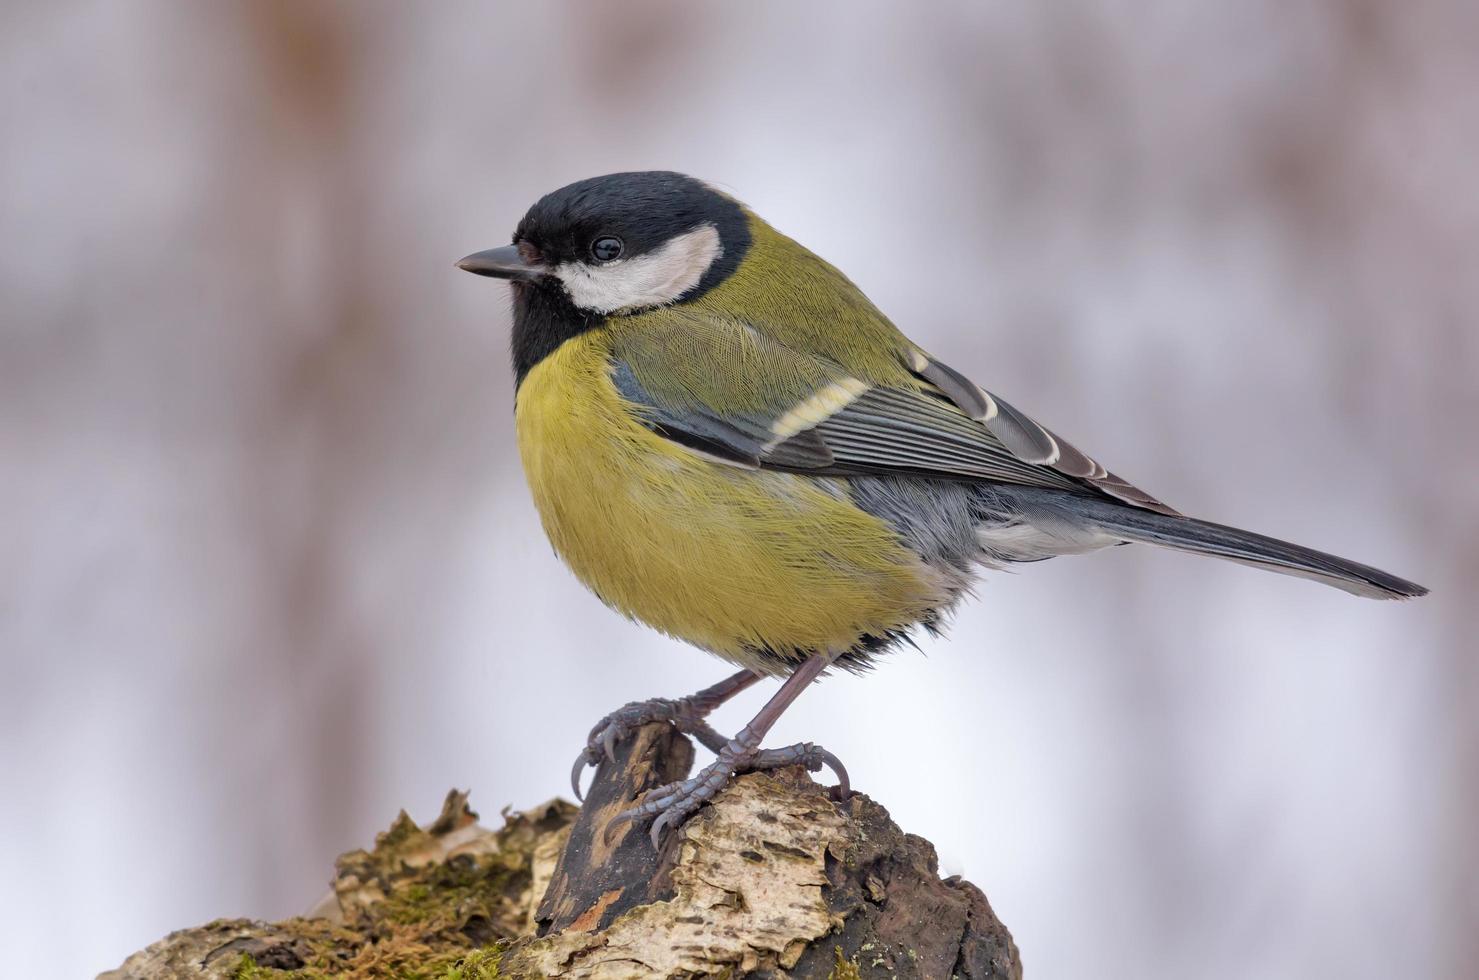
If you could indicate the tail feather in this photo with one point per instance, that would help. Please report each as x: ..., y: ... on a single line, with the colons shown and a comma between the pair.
x: 1234, y: 544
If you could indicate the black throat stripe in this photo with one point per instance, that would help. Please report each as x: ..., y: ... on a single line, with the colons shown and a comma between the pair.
x: 544, y: 318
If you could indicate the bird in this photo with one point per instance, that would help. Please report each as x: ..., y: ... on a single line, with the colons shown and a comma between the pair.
x: 727, y: 441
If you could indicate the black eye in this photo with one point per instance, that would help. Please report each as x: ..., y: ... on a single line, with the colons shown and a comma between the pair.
x: 606, y: 248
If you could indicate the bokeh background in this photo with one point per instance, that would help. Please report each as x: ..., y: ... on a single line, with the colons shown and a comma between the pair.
x: 269, y: 572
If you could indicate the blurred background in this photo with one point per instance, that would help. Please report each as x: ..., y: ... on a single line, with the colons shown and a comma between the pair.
x: 270, y: 571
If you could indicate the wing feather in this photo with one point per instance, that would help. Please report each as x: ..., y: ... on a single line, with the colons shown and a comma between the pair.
x: 741, y: 438
x: 1028, y: 439
x: 914, y: 430
x: 817, y: 418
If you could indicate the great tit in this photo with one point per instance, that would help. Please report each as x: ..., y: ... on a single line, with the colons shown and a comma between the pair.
x: 727, y: 441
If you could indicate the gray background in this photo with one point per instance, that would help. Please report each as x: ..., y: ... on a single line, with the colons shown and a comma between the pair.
x: 270, y: 571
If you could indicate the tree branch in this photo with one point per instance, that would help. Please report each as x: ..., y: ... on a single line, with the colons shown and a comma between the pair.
x: 773, y: 879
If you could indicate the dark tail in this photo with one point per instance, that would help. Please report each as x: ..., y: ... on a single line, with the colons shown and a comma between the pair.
x: 1234, y: 544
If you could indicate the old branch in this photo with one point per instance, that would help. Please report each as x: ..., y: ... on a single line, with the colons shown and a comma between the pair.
x: 773, y: 880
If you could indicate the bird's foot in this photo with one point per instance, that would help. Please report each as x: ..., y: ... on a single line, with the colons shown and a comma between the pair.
x: 676, y: 802
x: 685, y: 714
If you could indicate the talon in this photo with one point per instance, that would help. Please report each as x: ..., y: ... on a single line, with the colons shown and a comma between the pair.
x: 658, y: 826
x: 611, y: 730
x: 575, y: 774
x: 625, y: 816
x: 658, y: 799
x: 670, y: 805
x: 843, y: 789
x: 608, y: 743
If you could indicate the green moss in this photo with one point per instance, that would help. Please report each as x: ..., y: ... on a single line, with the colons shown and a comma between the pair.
x: 461, y: 895
x: 247, y: 969
x: 843, y: 968
x: 429, y: 926
x: 400, y: 958
x: 479, y: 965
x: 401, y: 832
x: 409, y: 911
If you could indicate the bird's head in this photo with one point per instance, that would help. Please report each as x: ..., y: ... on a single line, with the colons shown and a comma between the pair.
x: 622, y: 243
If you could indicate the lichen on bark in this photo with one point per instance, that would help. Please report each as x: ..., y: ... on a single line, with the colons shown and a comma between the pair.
x: 434, y: 903
x: 774, y: 879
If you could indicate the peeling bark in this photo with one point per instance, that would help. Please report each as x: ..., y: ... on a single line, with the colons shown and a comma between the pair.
x: 772, y: 880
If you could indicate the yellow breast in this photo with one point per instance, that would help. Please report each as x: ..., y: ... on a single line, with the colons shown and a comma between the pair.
x: 732, y: 560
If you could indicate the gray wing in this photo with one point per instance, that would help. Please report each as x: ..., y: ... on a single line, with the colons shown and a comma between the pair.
x: 741, y: 439
x: 946, y: 428
x: 1026, y: 438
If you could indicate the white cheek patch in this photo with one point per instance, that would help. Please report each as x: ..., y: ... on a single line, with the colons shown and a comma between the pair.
x: 658, y: 277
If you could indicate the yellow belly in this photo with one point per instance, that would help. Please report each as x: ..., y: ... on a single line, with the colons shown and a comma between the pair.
x: 735, y: 561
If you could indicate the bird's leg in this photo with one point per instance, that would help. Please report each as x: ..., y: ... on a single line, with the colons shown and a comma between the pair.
x: 685, y: 714
x: 673, y: 803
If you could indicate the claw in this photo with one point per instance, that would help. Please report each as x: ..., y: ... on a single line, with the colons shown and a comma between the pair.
x: 575, y: 774
x: 673, y: 803
x: 656, y: 802
x: 658, y: 826
x: 685, y: 714
x: 625, y: 816
x: 843, y: 789
x: 659, y: 800
x: 608, y: 743
x: 607, y: 733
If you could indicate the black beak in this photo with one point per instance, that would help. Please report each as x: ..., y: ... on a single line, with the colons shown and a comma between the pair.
x: 503, y: 262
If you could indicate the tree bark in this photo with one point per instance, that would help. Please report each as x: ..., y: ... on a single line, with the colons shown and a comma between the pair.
x: 772, y: 880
